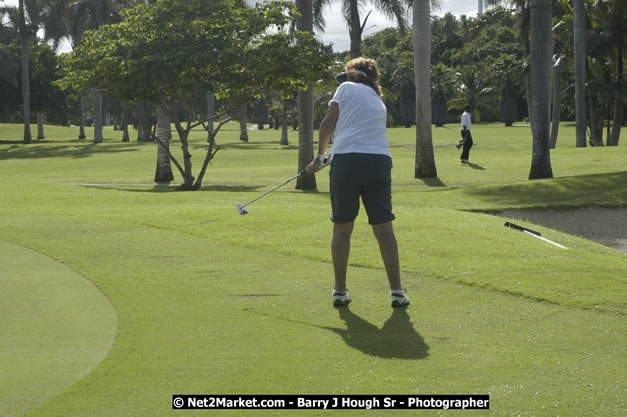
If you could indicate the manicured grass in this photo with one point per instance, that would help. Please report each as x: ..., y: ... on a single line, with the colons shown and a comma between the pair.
x: 209, y: 301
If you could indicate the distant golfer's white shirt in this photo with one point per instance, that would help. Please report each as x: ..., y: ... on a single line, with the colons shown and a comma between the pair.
x: 360, y: 127
x: 466, y: 120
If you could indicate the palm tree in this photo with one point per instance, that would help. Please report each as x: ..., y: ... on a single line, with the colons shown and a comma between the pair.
x: 163, y: 172
x: 474, y: 91
x: 609, y: 26
x: 425, y: 159
x: 579, y: 26
x: 393, y: 9
x: 541, y: 50
x: 25, y: 19
x: 71, y: 18
x: 305, y: 108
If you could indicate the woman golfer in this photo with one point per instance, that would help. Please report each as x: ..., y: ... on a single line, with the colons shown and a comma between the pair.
x: 361, y: 167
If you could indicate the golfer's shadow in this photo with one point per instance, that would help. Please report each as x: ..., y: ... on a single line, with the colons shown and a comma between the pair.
x: 396, y: 339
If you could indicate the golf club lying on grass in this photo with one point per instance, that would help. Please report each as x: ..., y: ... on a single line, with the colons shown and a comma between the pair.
x: 532, y: 233
x: 242, y: 208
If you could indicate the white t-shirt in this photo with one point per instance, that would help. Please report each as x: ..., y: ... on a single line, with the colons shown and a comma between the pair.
x: 466, y: 120
x: 360, y: 127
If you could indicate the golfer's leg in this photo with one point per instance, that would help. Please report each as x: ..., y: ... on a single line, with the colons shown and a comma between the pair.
x: 389, y: 252
x: 340, y: 249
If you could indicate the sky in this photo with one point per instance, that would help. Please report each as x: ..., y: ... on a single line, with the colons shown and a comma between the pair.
x: 336, y: 31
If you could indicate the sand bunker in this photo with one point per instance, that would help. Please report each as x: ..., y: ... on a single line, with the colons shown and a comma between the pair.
x: 605, y: 225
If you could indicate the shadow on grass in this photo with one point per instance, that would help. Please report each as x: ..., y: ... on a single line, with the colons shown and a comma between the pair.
x: 595, y: 190
x: 475, y: 166
x: 396, y: 339
x: 256, y: 145
x: 74, y: 149
x: 433, y: 182
x: 163, y: 188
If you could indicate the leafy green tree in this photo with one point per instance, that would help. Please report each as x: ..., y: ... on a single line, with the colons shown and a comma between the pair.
x: 473, y: 89
x: 137, y: 59
x: 507, y: 70
x: 442, y: 90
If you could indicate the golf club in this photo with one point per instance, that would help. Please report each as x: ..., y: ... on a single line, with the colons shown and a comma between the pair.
x: 243, y: 209
x: 532, y: 233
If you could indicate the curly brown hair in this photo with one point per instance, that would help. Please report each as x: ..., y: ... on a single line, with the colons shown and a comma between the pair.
x: 368, y: 67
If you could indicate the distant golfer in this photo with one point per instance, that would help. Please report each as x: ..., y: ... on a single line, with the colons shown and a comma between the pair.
x: 466, y: 141
x: 361, y: 167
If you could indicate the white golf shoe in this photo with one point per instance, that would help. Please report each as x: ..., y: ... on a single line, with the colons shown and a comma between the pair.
x: 399, y: 299
x: 341, y: 298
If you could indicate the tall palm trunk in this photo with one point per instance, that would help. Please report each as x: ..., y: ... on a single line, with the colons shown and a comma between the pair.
x: 25, y: 74
x: 355, y: 30
x: 305, y: 108
x: 125, y: 117
x: 612, y: 140
x: 541, y: 64
x: 40, y: 126
x: 580, y: 71
x: 425, y: 159
x: 164, y: 168
x: 97, y: 117
x: 284, y: 140
x: 557, y: 100
x: 243, y: 123
x: 81, y: 132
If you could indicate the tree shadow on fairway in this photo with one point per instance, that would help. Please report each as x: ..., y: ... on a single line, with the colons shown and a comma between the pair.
x: 397, y: 339
x: 76, y: 150
x: 162, y: 188
x: 433, y: 182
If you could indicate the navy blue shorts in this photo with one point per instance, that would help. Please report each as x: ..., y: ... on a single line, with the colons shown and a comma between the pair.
x: 355, y: 175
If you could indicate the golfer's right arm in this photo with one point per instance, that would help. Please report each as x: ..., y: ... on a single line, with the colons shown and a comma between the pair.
x: 327, y: 127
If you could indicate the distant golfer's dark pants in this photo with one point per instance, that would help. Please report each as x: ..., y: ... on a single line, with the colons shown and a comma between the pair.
x: 361, y: 175
x: 467, y: 145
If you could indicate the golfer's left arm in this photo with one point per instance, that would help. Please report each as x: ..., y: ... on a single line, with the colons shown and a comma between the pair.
x: 327, y: 127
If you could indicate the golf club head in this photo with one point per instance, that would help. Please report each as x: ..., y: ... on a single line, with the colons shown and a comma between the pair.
x: 241, y: 209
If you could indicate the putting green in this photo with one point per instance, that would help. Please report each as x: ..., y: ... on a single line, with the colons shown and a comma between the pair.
x: 56, y: 327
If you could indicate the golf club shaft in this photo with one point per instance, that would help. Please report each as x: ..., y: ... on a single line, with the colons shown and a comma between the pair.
x: 278, y: 186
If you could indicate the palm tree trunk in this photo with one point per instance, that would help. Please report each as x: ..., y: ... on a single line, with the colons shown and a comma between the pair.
x: 596, y: 123
x: 580, y: 71
x: 557, y: 101
x: 243, y: 122
x: 81, y: 132
x: 355, y: 30
x: 305, y: 108
x: 163, y: 173
x: 612, y: 140
x: 40, y: 126
x: 125, y: 117
x: 541, y: 64
x: 97, y: 117
x: 284, y: 140
x: 25, y: 74
x: 425, y: 159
